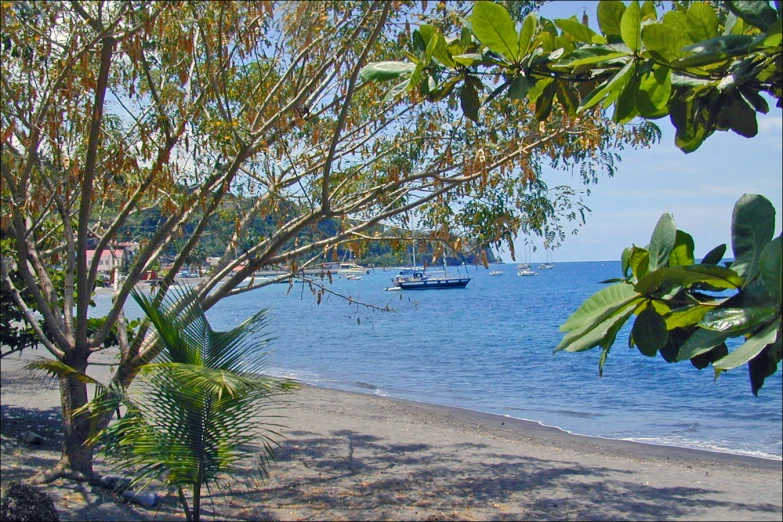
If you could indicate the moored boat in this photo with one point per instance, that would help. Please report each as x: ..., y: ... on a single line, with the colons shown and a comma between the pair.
x: 496, y: 273
x: 419, y: 279
x: 527, y: 272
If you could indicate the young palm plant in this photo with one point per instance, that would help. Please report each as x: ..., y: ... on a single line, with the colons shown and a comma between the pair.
x: 193, y: 412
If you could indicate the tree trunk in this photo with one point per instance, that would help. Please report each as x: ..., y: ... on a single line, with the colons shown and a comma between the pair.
x: 77, y: 457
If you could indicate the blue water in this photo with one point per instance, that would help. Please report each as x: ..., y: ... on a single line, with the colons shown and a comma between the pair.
x: 488, y: 347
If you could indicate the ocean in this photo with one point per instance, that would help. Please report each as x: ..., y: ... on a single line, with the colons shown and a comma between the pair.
x: 489, y: 348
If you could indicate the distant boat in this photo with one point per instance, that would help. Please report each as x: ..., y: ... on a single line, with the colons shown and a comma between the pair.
x: 353, y: 277
x: 419, y: 279
x: 546, y: 266
x: 496, y: 273
x: 526, y: 272
x: 523, y: 266
x: 351, y: 269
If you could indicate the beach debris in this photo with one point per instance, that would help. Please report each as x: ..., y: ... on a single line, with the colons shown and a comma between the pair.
x: 30, y: 437
x: 145, y: 500
x: 115, y: 482
x: 25, y: 503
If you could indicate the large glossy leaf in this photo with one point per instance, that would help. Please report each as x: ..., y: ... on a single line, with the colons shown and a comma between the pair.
x: 639, y: 262
x: 544, y: 101
x: 654, y: 92
x: 380, y: 71
x: 625, y: 261
x: 754, y: 12
x: 715, y: 50
x: 599, y: 333
x: 527, y: 32
x: 439, y: 49
x: 610, y: 14
x: 631, y: 26
x: 662, y: 242
x: 625, y: 106
x: 649, y: 332
x: 686, y: 316
x: 714, y: 256
x: 692, y: 121
x: 702, y: 22
x: 714, y: 277
x: 494, y: 28
x: 682, y: 253
x: 750, y: 348
x: 770, y: 268
x: 613, y: 85
x: 752, y: 226
x: 737, y: 319
x: 600, y: 305
x: 579, y: 31
x: 702, y: 341
x: 664, y: 42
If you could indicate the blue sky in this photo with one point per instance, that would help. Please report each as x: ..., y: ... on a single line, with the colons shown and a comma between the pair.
x: 699, y: 189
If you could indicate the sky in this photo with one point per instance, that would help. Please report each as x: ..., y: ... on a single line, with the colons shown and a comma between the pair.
x: 699, y: 189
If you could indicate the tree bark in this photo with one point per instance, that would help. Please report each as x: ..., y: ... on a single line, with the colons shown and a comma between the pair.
x: 76, y: 461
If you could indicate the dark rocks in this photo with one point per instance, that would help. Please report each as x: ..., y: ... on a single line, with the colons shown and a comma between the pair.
x: 25, y: 503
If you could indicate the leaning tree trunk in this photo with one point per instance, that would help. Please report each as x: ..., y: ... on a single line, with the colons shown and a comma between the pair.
x: 76, y: 461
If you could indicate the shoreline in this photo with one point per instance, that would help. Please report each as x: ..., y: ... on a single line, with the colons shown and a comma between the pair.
x: 346, y: 455
x: 533, y: 428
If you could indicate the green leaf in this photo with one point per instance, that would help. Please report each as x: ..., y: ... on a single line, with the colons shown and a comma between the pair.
x: 649, y: 332
x: 600, y: 333
x: 691, y: 121
x: 662, y: 242
x: 469, y: 101
x: 395, y: 91
x: 615, y: 84
x: 519, y: 87
x: 544, y: 101
x: 702, y: 341
x: 770, y: 268
x: 737, y: 319
x: 526, y: 34
x: 567, y: 96
x: 715, y: 277
x: 600, y: 305
x: 625, y: 261
x: 756, y: 13
x: 714, y: 256
x: 589, y: 56
x: 739, y: 116
x: 625, y: 107
x: 686, y: 316
x: 493, y: 26
x: 438, y: 48
x: 664, y: 41
x: 750, y: 348
x: 581, y: 32
x: 716, y: 50
x: 648, y: 11
x: 654, y: 92
x: 381, y: 71
x: 702, y: 22
x: 752, y: 226
x: 610, y: 14
x: 468, y: 59
x: 631, y: 26
x: 682, y: 254
x: 639, y: 262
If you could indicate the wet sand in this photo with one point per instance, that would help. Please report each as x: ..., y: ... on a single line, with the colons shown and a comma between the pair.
x: 350, y: 456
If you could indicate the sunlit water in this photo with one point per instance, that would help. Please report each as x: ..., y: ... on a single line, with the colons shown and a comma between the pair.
x: 488, y: 347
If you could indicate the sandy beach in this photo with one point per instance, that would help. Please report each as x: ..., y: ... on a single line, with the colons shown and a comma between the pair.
x: 349, y: 456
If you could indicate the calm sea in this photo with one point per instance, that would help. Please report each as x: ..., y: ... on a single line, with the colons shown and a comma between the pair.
x: 488, y: 347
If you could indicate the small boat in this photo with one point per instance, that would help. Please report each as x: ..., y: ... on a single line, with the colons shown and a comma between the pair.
x: 496, y: 273
x: 526, y: 272
x: 419, y: 279
x: 546, y: 266
x: 353, y: 277
x: 523, y: 266
x: 351, y: 269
